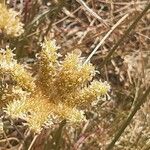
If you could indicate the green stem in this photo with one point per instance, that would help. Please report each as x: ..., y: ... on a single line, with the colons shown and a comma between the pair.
x: 57, y: 136
x: 129, y: 118
x: 60, y: 6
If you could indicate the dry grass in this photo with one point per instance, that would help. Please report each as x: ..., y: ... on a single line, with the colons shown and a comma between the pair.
x: 91, y: 27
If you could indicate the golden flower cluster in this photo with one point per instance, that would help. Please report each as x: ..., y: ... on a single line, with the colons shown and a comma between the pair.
x: 60, y: 90
x: 10, y: 22
x: 8, y: 65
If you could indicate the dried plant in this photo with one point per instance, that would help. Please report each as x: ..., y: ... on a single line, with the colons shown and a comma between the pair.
x: 10, y: 23
x: 60, y: 90
x: 56, y: 89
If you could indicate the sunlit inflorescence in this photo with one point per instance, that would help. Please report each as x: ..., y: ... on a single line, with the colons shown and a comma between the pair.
x: 61, y: 89
x: 10, y: 23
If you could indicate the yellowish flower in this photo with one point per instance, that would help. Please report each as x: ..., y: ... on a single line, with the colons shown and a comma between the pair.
x: 8, y: 65
x: 10, y: 22
x: 91, y: 93
x: 62, y: 88
x: 48, y: 66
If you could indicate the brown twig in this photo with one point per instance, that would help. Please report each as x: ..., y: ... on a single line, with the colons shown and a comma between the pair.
x: 105, y: 37
x: 33, y: 141
x: 131, y: 27
x: 92, y: 12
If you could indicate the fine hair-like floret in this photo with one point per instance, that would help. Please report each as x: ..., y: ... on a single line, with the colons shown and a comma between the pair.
x: 60, y: 90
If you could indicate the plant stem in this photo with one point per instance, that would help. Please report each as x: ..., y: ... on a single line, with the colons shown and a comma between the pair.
x: 55, y: 142
x: 132, y: 26
x: 59, y: 133
x: 129, y: 118
x: 105, y: 37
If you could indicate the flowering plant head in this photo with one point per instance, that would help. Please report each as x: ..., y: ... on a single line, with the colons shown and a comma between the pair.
x: 10, y: 22
x: 61, y: 89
